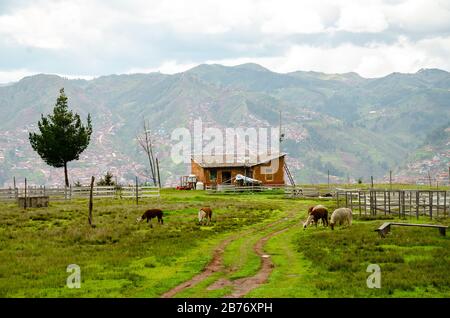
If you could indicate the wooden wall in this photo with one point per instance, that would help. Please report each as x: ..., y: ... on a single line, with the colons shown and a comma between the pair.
x: 203, y: 174
x: 276, y: 178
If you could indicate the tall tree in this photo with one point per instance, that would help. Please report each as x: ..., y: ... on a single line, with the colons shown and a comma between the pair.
x: 62, y: 136
x: 145, y: 140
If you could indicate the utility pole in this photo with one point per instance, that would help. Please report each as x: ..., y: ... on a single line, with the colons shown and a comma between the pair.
x: 91, y: 201
x: 137, y: 192
x: 390, y: 179
x: 25, y: 202
x: 146, y: 143
x: 328, y: 179
x: 16, y: 192
x: 429, y: 178
x: 157, y: 169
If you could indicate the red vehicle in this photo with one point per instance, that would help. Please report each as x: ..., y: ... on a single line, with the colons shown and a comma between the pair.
x: 187, y: 182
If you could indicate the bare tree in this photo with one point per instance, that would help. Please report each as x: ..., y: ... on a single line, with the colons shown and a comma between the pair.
x: 145, y: 141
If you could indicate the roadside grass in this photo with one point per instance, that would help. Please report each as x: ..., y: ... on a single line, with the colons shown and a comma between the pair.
x: 118, y: 258
x: 319, y: 262
x: 240, y: 259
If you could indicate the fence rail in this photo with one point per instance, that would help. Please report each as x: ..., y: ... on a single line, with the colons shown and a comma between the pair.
x: 230, y: 188
x: 68, y: 193
x: 310, y: 192
x: 289, y: 190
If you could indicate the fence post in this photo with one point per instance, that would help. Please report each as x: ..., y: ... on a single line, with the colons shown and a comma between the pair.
x: 445, y: 204
x: 25, y: 201
x: 437, y: 203
x: 365, y: 203
x: 430, y: 203
x: 137, y: 192
x: 403, y: 204
x: 16, y: 193
x: 359, y: 202
x: 375, y: 201
x: 417, y: 204
x: 91, y: 201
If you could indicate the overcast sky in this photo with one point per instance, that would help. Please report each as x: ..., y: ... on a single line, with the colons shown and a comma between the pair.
x: 89, y: 38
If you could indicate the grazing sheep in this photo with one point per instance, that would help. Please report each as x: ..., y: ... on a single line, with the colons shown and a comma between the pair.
x: 150, y: 214
x: 205, y: 213
x: 316, y: 213
x: 341, y: 216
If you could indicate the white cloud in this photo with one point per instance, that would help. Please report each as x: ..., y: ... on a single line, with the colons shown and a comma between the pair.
x: 167, y: 67
x: 57, y: 24
x: 420, y: 15
x: 14, y: 75
x: 375, y: 60
x: 105, y: 37
x: 362, y: 18
x: 294, y: 17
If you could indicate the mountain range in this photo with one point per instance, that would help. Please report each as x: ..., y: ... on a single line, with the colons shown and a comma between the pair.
x: 351, y: 126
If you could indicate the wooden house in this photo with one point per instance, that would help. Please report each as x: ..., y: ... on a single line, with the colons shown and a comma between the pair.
x: 219, y: 169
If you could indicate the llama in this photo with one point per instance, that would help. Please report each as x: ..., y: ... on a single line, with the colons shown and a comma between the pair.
x: 316, y: 213
x: 205, y: 213
x: 341, y: 216
x: 150, y: 214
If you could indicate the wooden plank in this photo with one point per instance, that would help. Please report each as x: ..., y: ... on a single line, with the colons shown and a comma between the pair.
x: 419, y: 225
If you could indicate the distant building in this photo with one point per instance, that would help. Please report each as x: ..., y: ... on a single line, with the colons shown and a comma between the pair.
x: 216, y: 169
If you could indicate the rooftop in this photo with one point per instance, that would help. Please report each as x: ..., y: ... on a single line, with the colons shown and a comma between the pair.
x: 234, y: 160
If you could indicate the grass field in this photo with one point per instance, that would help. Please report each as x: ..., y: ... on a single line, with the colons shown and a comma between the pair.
x: 119, y: 258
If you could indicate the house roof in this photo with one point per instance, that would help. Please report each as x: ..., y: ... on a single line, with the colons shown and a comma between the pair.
x: 233, y: 161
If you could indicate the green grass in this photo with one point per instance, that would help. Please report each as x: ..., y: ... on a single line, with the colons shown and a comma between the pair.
x: 414, y: 262
x: 119, y: 258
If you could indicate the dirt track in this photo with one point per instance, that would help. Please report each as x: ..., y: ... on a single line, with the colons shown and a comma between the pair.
x: 241, y: 286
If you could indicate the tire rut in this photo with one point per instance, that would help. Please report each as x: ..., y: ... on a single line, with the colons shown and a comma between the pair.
x: 215, y: 265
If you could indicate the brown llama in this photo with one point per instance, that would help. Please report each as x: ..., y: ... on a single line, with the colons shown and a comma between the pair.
x: 205, y: 213
x: 150, y: 214
x: 316, y: 213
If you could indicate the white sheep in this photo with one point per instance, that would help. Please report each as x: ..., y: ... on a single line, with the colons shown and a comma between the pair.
x: 341, y: 216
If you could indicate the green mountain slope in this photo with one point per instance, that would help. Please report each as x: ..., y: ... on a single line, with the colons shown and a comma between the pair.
x: 352, y: 126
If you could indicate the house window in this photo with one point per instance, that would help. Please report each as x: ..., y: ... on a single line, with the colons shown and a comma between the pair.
x: 269, y: 174
x: 213, y: 175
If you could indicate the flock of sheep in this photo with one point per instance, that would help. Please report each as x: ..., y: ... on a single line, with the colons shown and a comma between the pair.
x: 319, y: 212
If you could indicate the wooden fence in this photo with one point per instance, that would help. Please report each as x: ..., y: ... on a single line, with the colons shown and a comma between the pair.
x: 233, y: 189
x: 402, y: 203
x: 310, y: 192
x: 68, y: 193
x: 289, y: 191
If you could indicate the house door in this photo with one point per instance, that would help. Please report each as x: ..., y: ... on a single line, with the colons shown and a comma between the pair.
x: 226, y: 177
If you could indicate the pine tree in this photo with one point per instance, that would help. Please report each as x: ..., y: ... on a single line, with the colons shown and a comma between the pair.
x: 62, y: 136
x: 107, y: 180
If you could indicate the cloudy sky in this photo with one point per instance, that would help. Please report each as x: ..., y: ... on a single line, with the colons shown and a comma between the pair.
x: 89, y: 38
